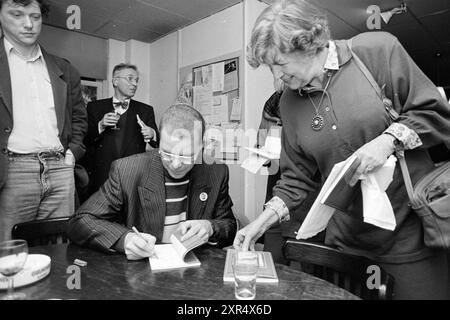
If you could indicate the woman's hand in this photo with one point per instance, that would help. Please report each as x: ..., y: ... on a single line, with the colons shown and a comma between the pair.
x: 246, y: 237
x: 373, y: 155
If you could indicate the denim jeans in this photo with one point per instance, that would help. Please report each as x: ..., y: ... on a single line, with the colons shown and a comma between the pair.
x: 37, y: 187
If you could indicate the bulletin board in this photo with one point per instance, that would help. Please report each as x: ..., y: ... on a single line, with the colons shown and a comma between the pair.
x: 216, y: 95
x: 216, y: 92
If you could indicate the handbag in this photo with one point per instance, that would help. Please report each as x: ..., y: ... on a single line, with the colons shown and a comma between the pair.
x: 430, y: 200
x: 430, y: 196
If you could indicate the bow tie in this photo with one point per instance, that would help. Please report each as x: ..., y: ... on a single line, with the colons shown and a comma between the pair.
x: 124, y: 104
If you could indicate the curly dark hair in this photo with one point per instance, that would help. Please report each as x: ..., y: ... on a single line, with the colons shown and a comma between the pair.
x: 45, y: 7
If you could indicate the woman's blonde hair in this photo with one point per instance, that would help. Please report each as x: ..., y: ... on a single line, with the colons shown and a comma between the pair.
x: 287, y: 26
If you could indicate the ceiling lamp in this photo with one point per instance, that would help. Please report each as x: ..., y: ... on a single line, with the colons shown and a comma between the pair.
x: 387, y: 15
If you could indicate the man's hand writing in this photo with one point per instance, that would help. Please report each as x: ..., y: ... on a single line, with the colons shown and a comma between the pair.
x: 137, y: 248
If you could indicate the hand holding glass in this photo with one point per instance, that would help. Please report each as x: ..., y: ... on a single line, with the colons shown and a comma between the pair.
x: 110, y: 120
x: 13, y: 255
x: 117, y: 114
x: 245, y: 269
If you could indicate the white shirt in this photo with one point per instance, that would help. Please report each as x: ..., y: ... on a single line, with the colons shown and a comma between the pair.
x: 35, y: 126
x: 119, y: 110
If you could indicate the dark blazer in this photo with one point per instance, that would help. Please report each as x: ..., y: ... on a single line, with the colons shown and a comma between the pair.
x: 71, y: 115
x: 102, y: 149
x: 134, y: 195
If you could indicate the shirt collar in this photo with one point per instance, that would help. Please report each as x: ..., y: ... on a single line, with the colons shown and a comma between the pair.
x: 332, y: 62
x: 10, y: 48
x: 115, y: 100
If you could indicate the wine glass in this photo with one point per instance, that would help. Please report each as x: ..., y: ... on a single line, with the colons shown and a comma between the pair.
x: 115, y: 127
x: 13, y: 255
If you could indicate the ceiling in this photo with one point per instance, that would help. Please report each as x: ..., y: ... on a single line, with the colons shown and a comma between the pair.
x: 424, y: 29
x: 143, y: 20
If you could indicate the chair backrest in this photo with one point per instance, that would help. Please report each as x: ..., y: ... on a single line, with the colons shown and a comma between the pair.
x: 349, y: 272
x: 42, y: 232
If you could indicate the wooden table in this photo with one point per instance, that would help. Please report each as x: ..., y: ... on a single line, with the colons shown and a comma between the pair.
x: 114, y: 277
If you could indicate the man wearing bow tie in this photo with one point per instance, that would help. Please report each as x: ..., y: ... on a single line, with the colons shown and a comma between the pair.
x: 118, y: 126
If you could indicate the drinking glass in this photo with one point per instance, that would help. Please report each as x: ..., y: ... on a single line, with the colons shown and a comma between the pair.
x: 115, y: 127
x: 245, y: 269
x: 13, y: 255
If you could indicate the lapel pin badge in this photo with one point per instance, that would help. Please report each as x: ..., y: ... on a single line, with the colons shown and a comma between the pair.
x: 203, y: 196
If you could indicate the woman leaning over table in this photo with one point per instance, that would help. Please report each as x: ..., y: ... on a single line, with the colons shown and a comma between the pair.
x: 331, y: 111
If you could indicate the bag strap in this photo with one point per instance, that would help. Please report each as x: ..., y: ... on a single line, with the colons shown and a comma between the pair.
x: 400, y: 153
x: 364, y: 70
x: 381, y: 92
x: 399, y: 148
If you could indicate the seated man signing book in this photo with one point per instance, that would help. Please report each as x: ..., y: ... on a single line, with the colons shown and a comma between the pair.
x: 159, y: 192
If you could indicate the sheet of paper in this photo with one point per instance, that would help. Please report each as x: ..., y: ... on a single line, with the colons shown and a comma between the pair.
x: 203, y: 99
x: 231, y: 80
x: 207, y: 75
x: 320, y: 214
x: 218, y: 76
x: 377, y: 208
x: 229, y: 141
x: 317, y: 219
x: 253, y: 163
x: 263, y: 153
x: 198, y: 77
x: 271, y: 149
x: 273, y: 145
x: 236, y: 110
x: 219, y: 110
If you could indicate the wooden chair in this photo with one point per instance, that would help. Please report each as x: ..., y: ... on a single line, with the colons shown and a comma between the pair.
x: 42, y: 232
x: 349, y: 272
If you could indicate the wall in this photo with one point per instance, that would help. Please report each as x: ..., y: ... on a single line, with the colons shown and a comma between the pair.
x: 163, y: 73
x: 258, y: 88
x: 116, y: 55
x: 96, y: 57
x: 137, y: 53
x: 86, y: 53
x: 213, y: 36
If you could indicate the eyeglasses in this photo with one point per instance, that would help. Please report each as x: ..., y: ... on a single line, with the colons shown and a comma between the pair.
x: 170, y: 157
x: 130, y: 79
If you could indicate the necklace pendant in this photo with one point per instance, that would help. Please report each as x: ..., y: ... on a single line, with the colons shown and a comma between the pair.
x: 317, y: 122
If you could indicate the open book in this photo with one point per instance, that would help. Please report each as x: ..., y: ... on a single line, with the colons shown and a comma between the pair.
x: 266, y: 272
x: 336, y: 193
x: 176, y: 254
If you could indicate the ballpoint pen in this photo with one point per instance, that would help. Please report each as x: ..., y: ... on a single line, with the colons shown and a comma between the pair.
x: 140, y: 236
